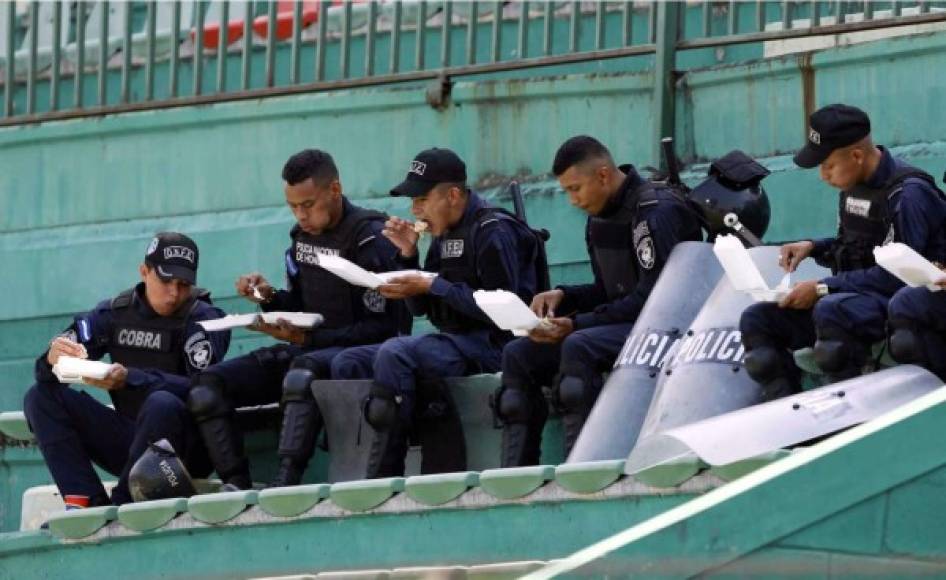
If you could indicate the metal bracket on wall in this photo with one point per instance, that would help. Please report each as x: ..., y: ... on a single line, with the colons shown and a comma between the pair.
x: 438, y: 92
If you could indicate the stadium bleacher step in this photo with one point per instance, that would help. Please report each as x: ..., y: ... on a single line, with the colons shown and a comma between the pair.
x: 429, y: 573
x: 13, y: 425
x: 439, y: 488
x: 671, y: 473
x: 738, y: 469
x: 359, y: 496
x: 503, y: 570
x: 515, y: 482
x: 350, y: 575
x: 81, y: 523
x: 217, y: 508
x: 287, y: 502
x: 150, y: 515
x: 590, y: 476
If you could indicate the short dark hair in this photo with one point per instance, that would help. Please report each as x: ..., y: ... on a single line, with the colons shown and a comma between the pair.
x: 577, y: 150
x: 313, y: 163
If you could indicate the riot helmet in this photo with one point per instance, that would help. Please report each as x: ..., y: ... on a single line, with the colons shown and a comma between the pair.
x: 159, y: 474
x: 733, y: 186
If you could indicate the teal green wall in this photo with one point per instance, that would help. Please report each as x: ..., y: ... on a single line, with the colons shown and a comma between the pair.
x: 82, y: 198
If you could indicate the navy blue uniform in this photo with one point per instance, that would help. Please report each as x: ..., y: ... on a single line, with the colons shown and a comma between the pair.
x: 855, y: 311
x: 639, y: 227
x: 502, y: 256
x: 918, y: 319
x: 74, y: 430
x: 352, y: 316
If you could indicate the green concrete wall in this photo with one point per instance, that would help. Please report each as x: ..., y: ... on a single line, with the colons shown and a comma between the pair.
x: 82, y: 198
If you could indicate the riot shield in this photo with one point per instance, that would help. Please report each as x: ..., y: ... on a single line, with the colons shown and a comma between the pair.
x: 705, y: 377
x: 792, y: 420
x: 689, y: 276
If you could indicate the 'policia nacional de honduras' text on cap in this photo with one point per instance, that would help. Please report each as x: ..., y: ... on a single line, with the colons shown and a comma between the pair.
x: 429, y: 168
x: 830, y: 128
x: 173, y: 255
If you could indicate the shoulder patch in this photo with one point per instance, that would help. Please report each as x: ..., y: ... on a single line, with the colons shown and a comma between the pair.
x: 84, y: 328
x: 198, y: 350
x: 291, y: 267
x: 374, y: 301
x: 646, y: 254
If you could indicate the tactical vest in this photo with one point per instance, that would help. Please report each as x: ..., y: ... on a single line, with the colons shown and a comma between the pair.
x: 458, y: 265
x: 156, y: 342
x: 865, y: 220
x: 612, y: 241
x: 323, y: 292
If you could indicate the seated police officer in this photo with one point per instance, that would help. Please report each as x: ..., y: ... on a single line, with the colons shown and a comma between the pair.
x: 632, y: 226
x: 327, y: 223
x: 882, y: 199
x: 918, y: 327
x: 150, y: 332
x: 475, y: 246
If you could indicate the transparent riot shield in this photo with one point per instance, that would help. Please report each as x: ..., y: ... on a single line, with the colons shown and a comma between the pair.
x: 688, y: 278
x: 705, y: 377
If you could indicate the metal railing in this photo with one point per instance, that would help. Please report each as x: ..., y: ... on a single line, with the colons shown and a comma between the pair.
x: 159, y: 54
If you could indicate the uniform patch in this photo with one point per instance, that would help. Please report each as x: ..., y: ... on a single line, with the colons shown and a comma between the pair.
x: 451, y: 248
x: 374, y: 301
x: 179, y: 252
x: 308, y: 254
x: 641, y: 231
x: 814, y: 136
x: 152, y: 246
x: 145, y: 339
x: 69, y: 335
x: 858, y: 207
x: 85, y: 330
x: 418, y: 167
x: 646, y: 254
x: 199, y: 351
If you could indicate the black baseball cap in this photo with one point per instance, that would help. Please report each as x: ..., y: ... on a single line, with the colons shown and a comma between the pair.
x: 429, y: 168
x: 173, y: 255
x: 830, y: 128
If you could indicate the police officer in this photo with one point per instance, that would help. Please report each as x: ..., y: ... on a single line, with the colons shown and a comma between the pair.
x: 918, y: 327
x: 151, y: 334
x: 882, y: 199
x: 475, y: 246
x: 632, y: 226
x: 327, y: 223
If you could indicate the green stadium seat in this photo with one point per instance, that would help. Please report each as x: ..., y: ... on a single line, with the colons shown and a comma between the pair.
x: 358, y: 496
x: 150, y: 515
x: 13, y: 425
x: 671, y: 473
x: 589, y: 477
x: 740, y: 468
x: 291, y: 501
x: 216, y: 508
x: 515, y: 482
x: 81, y: 523
x: 439, y: 488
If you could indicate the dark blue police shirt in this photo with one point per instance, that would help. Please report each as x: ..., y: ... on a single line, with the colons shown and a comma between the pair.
x: 93, y: 329
x: 377, y: 318
x: 919, y: 216
x: 669, y: 222
x: 500, y: 264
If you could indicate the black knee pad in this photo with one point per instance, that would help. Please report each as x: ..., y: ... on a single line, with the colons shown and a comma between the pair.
x: 381, y: 408
x: 574, y: 393
x: 764, y: 364
x: 512, y: 405
x: 206, y: 398
x: 906, y: 346
x: 296, y: 385
x: 832, y: 355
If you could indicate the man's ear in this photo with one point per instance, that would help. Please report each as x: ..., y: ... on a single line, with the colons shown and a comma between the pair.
x: 603, y: 174
x: 335, y: 187
x: 143, y: 270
